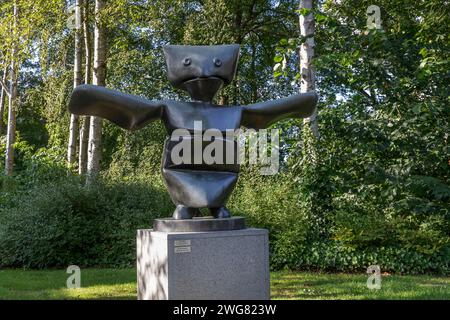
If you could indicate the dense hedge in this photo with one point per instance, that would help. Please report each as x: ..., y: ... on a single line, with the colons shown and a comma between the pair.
x: 62, y: 222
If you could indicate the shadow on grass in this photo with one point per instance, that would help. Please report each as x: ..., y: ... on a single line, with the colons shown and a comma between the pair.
x: 52, y: 284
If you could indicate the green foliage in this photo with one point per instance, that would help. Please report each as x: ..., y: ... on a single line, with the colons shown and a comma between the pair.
x: 63, y: 222
x: 380, y: 176
x: 335, y: 256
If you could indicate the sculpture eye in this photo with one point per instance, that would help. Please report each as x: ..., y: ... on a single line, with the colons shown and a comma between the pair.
x: 217, y: 62
x: 187, y: 61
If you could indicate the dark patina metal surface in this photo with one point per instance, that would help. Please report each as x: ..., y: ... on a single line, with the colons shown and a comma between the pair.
x: 202, y: 224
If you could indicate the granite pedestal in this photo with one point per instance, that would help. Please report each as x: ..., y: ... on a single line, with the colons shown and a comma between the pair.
x: 214, y: 265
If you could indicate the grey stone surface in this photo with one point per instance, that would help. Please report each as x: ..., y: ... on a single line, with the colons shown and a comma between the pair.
x: 217, y: 265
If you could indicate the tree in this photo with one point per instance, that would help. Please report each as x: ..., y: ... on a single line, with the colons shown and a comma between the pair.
x: 312, y: 174
x: 12, y: 103
x: 77, y: 78
x: 99, y: 78
x: 307, y: 29
x: 3, y: 95
x: 257, y: 26
x: 22, y: 24
x: 84, y: 131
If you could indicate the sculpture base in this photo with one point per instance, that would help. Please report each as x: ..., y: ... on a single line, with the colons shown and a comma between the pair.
x: 219, y: 265
x: 201, y: 224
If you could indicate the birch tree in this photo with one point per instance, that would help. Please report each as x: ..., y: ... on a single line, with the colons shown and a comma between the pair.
x: 77, y: 78
x: 3, y: 95
x: 99, y: 77
x: 12, y: 102
x: 307, y: 29
x: 84, y: 130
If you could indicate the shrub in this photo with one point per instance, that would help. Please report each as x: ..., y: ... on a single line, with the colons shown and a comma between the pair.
x: 62, y: 223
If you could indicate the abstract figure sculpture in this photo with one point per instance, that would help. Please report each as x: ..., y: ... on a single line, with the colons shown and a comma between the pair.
x: 202, y: 71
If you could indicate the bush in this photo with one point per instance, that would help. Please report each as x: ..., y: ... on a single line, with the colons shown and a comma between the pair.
x: 63, y: 223
x: 335, y: 256
x: 359, y: 237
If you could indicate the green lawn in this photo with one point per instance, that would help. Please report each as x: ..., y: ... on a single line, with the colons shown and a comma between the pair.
x: 121, y: 284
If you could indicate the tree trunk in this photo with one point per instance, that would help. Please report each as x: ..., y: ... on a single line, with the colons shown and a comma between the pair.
x: 12, y: 104
x: 95, y: 129
x: 84, y: 131
x: 2, y: 101
x: 77, y: 78
x: 254, y: 82
x: 307, y: 29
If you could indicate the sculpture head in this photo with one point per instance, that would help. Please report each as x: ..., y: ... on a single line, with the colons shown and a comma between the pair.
x: 201, y: 70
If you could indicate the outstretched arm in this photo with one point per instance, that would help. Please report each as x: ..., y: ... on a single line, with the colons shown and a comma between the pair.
x: 127, y: 111
x: 263, y: 114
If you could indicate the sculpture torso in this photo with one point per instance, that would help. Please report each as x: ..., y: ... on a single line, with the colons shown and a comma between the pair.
x: 181, y: 115
x: 201, y: 184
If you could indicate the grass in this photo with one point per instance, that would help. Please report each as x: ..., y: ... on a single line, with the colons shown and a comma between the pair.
x: 293, y: 285
x: 121, y: 284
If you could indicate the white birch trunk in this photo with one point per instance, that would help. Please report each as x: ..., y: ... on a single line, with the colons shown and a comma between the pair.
x: 2, y: 101
x: 77, y: 78
x: 307, y: 29
x: 95, y: 129
x: 84, y: 131
x: 12, y: 103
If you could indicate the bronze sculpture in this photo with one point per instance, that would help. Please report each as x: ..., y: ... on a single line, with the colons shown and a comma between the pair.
x: 201, y: 71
